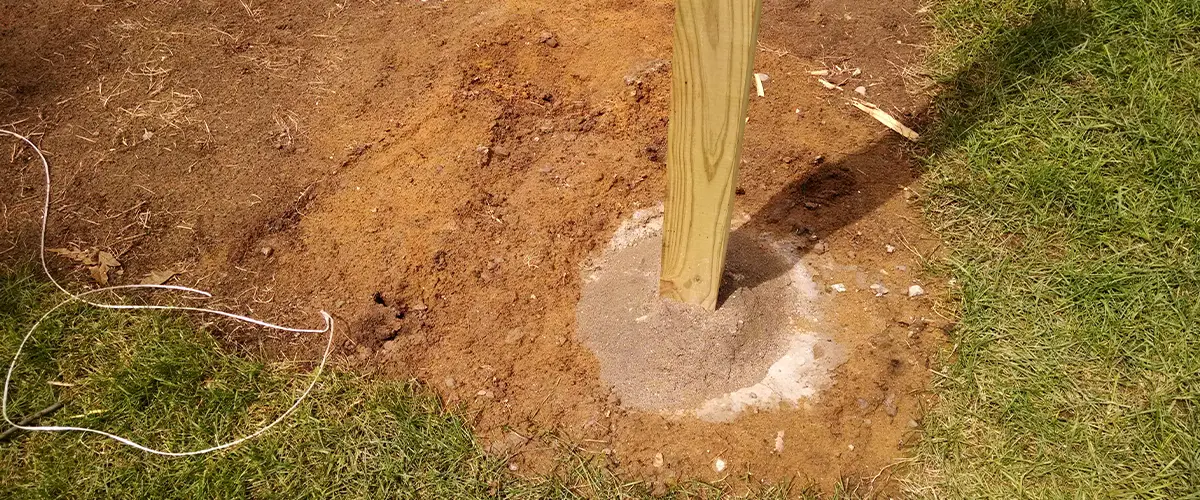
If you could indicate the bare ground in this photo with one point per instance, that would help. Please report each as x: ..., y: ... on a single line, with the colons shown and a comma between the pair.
x: 435, y: 174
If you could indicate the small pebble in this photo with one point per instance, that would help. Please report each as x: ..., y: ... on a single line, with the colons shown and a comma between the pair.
x: 821, y: 247
x: 879, y: 290
x: 861, y: 90
x: 916, y: 291
x: 718, y: 464
x: 658, y: 460
x: 890, y: 249
x: 838, y: 287
x: 779, y: 442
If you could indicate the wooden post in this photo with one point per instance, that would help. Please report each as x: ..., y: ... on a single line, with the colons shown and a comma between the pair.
x: 711, y: 71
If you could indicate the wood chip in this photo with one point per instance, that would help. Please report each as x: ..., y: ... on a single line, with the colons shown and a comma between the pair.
x: 886, y: 118
x: 827, y: 84
x: 819, y: 72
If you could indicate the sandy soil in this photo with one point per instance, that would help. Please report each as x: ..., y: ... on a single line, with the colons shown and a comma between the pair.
x: 436, y: 173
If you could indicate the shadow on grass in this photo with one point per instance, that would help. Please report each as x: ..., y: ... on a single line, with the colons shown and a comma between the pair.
x: 834, y: 195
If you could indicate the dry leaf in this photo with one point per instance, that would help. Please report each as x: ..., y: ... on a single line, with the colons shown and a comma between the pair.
x: 108, y: 259
x: 100, y: 274
x: 85, y: 257
x: 159, y: 277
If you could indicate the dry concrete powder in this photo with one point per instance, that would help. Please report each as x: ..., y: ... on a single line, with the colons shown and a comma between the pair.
x: 757, y: 350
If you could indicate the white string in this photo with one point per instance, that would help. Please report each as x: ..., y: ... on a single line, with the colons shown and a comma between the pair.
x: 80, y: 297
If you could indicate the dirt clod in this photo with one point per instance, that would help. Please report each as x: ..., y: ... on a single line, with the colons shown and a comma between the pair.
x: 548, y: 38
x: 515, y: 336
x: 889, y: 404
x: 507, y: 445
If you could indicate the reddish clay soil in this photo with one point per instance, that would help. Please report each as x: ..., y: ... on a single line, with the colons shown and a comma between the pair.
x: 434, y: 173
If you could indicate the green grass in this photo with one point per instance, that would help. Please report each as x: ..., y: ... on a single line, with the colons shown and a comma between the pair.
x: 1065, y: 178
x: 162, y: 382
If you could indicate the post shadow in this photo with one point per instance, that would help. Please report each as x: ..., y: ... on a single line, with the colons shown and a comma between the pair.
x: 832, y: 195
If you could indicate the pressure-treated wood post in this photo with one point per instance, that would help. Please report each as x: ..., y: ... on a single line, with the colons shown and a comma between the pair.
x: 711, y: 70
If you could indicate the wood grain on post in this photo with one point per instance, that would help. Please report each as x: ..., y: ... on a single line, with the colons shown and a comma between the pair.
x: 711, y: 71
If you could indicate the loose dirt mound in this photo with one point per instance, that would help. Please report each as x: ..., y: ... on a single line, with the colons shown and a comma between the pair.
x: 436, y: 174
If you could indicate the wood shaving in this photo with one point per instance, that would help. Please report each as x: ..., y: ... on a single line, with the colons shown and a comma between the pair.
x: 886, y: 118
